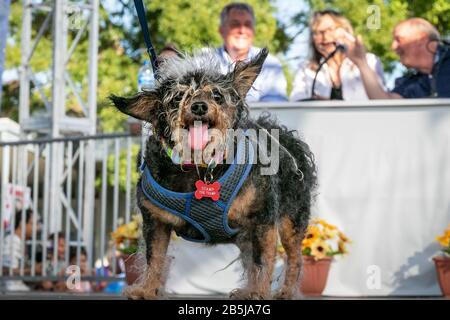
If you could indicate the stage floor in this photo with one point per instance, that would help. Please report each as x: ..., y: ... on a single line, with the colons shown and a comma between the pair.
x: 105, y: 296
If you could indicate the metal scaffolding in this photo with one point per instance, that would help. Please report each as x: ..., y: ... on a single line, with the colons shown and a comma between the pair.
x: 66, y: 16
x: 68, y: 22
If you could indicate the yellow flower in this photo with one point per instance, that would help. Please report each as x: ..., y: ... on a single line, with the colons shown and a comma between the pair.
x: 312, y: 233
x: 343, y: 237
x: 324, y: 224
x: 341, y: 247
x: 322, y: 235
x: 444, y: 240
x: 321, y: 240
x: 306, y: 244
x: 130, y: 231
x: 319, y: 249
x: 329, y: 234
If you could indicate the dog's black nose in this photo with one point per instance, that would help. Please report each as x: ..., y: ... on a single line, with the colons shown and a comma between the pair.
x: 199, y: 108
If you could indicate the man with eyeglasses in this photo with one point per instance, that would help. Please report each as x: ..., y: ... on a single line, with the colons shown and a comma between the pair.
x: 237, y: 28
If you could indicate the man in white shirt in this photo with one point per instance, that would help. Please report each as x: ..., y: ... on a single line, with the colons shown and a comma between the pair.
x: 237, y: 28
x: 14, y: 250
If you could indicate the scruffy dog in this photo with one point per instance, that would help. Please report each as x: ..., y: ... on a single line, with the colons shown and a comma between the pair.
x: 253, y: 208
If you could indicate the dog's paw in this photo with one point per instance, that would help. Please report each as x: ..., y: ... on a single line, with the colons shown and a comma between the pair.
x: 287, y: 295
x: 140, y: 293
x: 246, y: 294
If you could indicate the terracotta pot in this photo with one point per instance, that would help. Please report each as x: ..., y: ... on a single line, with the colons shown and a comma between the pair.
x: 315, y: 275
x: 443, y: 273
x: 134, y: 266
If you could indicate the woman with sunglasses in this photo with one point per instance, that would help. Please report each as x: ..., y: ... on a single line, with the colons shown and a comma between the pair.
x: 336, y: 78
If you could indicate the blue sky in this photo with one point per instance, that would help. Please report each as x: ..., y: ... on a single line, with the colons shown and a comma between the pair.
x: 299, y: 49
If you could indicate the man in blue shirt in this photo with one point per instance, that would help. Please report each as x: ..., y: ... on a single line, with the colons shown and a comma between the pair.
x: 237, y: 28
x: 418, y: 45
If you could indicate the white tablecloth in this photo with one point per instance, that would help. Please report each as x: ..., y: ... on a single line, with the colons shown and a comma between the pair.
x: 384, y: 179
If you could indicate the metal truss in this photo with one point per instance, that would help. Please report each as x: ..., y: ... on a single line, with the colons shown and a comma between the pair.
x: 68, y: 22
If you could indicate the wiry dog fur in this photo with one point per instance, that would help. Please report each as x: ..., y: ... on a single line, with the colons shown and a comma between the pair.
x: 267, y: 205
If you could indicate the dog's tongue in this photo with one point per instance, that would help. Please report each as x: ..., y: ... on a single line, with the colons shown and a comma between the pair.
x: 198, y: 136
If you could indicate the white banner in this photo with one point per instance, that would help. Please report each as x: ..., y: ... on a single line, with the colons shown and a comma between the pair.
x: 15, y: 198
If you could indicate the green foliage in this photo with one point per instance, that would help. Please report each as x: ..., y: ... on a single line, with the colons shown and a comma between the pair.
x: 129, y: 249
x: 134, y: 173
x: 41, y: 61
x: 436, y: 11
x: 288, y: 74
x: 122, y: 174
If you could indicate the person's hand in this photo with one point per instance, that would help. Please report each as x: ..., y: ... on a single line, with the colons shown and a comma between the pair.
x: 317, y: 97
x: 47, y: 285
x: 355, y: 49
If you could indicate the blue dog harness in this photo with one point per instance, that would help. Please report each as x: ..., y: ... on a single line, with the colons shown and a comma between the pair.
x: 208, y: 217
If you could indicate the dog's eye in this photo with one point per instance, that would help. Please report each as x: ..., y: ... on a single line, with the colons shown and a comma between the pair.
x: 177, y: 98
x: 217, y: 96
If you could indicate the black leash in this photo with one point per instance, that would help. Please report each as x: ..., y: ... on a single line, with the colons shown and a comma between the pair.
x: 148, y: 41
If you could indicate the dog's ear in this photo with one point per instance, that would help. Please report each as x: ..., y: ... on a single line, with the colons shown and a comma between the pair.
x: 245, y: 73
x: 140, y: 106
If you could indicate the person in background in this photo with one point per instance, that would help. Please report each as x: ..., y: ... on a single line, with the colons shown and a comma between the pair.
x: 60, y: 246
x: 60, y: 265
x: 14, y: 255
x: 82, y: 286
x: 237, y: 28
x: 167, y: 52
x: 339, y: 78
x: 417, y: 42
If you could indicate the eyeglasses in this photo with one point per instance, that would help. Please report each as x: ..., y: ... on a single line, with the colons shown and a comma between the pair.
x: 317, y: 33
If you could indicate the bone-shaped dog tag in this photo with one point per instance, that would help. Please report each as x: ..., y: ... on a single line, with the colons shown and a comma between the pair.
x: 205, y: 190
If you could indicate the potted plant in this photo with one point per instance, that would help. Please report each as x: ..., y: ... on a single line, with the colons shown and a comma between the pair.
x: 322, y: 242
x: 442, y: 263
x: 126, y: 238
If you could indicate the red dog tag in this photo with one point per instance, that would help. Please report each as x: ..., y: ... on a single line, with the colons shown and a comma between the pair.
x: 205, y: 190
